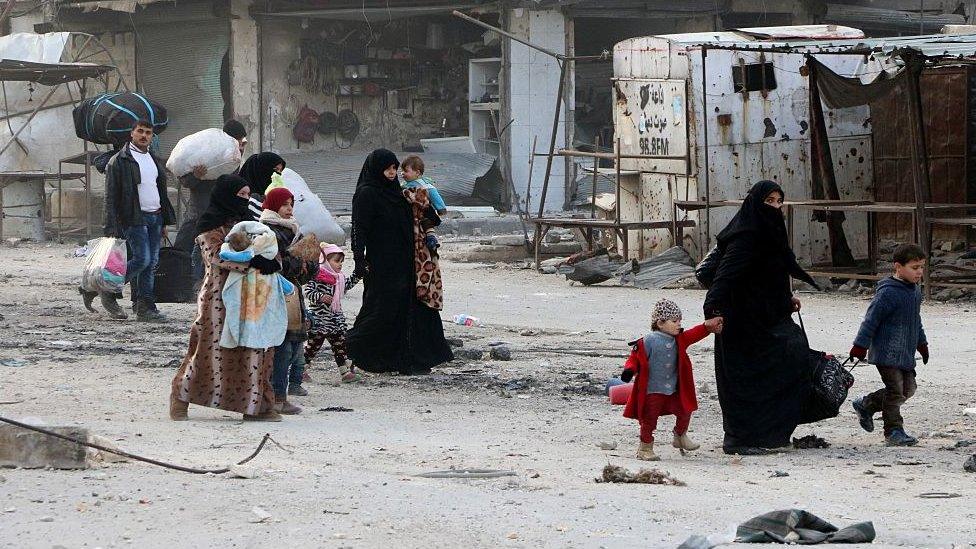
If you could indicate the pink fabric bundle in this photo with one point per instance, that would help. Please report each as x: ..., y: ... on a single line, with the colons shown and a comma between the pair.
x: 330, y: 276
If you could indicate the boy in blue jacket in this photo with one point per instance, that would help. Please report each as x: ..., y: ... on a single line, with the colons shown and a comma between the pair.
x: 892, y: 330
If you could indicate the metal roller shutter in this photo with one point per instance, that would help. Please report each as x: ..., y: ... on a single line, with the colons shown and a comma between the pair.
x: 179, y: 67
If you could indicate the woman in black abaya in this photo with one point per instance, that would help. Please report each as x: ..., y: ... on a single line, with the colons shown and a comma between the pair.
x: 394, y: 331
x: 762, y: 368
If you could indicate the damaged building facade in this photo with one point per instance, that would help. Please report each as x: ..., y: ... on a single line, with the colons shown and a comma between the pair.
x: 323, y: 83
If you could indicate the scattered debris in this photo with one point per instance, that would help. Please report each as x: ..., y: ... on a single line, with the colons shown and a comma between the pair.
x: 47, y: 519
x: 971, y: 412
x: 336, y: 409
x: 151, y: 363
x: 598, y: 268
x: 455, y: 342
x: 796, y: 526
x: 469, y: 354
x: 779, y: 474
x: 970, y: 465
x: 501, y: 352
x: 96, y: 455
x: 658, y: 271
x: 939, y: 495
x: 260, y: 515
x: 468, y: 473
x: 617, y: 474
x: 13, y: 362
x: 809, y: 442
x: 607, y: 445
x: 465, y: 320
x: 244, y: 471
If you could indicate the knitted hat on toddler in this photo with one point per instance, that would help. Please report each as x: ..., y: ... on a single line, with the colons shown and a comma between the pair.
x: 665, y: 310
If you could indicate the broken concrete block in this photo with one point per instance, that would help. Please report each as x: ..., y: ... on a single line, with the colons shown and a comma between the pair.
x: 501, y: 352
x: 508, y: 240
x: 493, y: 254
x: 32, y: 450
x: 554, y: 262
x: 561, y: 248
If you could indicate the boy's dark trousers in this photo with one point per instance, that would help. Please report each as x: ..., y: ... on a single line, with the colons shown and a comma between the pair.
x: 899, y: 387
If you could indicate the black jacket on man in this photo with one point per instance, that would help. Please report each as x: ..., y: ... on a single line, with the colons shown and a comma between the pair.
x: 122, y: 178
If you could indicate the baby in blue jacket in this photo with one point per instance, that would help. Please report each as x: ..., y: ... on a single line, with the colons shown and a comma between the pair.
x: 892, y: 330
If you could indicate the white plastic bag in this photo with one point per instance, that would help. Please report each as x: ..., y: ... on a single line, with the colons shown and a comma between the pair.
x: 210, y: 148
x: 310, y: 212
x: 105, y: 266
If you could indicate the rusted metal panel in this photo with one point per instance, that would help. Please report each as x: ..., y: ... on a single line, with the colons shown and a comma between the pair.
x: 945, y: 99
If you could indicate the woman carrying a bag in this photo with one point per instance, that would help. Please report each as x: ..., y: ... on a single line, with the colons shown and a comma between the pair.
x: 762, y: 367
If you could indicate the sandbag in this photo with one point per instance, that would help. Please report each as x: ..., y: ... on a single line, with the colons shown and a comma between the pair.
x: 310, y: 212
x: 210, y: 148
x: 108, y: 119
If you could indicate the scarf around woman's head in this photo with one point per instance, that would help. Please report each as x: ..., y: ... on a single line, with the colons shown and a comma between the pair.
x: 372, y: 173
x: 757, y: 217
x: 225, y: 206
x: 258, y: 169
x: 328, y: 275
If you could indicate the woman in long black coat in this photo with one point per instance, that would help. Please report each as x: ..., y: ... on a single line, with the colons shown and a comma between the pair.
x: 762, y: 367
x: 394, y: 331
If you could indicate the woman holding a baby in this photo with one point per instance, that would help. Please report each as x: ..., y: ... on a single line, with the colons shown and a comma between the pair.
x: 234, y: 379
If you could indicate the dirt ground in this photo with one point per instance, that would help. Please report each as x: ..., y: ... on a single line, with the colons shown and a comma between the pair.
x: 349, y: 479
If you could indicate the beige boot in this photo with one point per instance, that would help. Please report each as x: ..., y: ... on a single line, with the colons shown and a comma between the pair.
x: 270, y: 415
x: 646, y: 452
x: 178, y: 409
x: 682, y: 442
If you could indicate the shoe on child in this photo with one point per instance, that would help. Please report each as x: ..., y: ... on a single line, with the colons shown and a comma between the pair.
x: 864, y: 417
x: 682, y: 442
x: 899, y: 437
x: 646, y: 452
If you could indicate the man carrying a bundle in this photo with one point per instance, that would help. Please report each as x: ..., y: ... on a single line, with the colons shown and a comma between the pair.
x: 137, y: 209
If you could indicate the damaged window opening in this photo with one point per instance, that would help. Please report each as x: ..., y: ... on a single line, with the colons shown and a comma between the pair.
x: 753, y: 77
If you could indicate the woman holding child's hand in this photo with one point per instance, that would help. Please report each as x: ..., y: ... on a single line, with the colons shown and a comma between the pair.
x: 761, y: 357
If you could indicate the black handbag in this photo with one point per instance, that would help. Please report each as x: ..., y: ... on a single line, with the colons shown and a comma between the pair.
x: 705, y: 271
x: 831, y: 381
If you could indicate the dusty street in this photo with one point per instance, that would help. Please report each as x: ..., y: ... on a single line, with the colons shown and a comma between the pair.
x: 349, y: 479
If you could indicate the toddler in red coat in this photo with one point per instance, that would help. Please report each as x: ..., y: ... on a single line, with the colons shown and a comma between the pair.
x: 663, y: 380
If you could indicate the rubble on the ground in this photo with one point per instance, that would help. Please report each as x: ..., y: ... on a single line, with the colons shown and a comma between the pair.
x: 618, y: 474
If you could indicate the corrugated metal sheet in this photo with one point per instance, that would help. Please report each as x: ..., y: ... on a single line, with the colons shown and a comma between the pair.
x: 945, y: 101
x: 891, y: 20
x: 179, y: 67
x: 463, y: 179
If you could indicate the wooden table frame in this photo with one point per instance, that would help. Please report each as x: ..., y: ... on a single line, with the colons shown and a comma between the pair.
x: 620, y: 228
x: 870, y: 208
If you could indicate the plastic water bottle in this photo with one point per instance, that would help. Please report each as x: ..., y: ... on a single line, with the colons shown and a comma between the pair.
x: 465, y: 320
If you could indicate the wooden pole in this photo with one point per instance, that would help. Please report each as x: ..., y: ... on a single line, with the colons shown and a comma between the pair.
x: 920, y: 172
x: 596, y: 168
x: 528, y: 186
x: 552, y: 138
x: 708, y: 194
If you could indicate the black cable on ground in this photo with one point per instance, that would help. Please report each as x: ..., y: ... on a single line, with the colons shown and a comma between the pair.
x: 136, y: 457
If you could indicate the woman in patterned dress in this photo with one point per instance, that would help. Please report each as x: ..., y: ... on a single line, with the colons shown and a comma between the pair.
x: 239, y: 379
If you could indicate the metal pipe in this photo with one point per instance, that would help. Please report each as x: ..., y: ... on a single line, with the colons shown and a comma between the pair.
x: 708, y: 194
x: 528, y: 186
x: 596, y: 168
x: 552, y: 138
x: 611, y: 156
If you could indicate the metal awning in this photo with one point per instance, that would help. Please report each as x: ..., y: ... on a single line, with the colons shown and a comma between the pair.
x: 49, y: 74
x: 936, y: 46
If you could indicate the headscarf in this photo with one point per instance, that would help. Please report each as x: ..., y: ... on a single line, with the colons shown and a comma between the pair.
x: 225, y: 206
x: 756, y: 216
x: 665, y: 310
x: 328, y: 275
x: 372, y: 172
x: 258, y: 168
x: 276, y: 198
x: 769, y: 224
